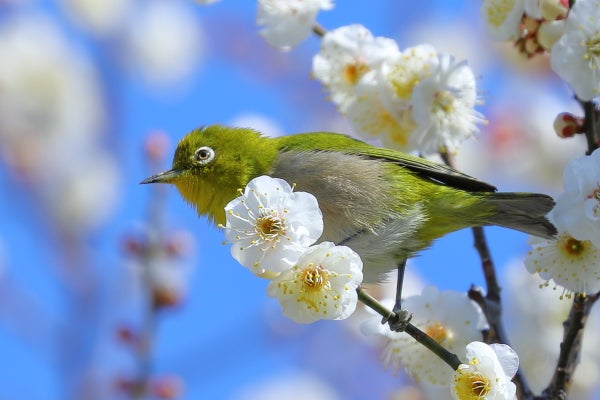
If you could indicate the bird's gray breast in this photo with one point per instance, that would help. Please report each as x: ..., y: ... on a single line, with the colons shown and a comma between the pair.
x: 359, y: 204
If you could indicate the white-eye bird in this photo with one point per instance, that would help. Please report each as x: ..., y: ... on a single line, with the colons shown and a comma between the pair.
x: 384, y: 204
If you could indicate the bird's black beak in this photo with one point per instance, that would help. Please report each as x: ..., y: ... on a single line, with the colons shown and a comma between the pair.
x: 163, y: 177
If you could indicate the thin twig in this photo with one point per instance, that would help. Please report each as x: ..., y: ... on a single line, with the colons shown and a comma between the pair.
x: 449, y: 358
x: 319, y: 30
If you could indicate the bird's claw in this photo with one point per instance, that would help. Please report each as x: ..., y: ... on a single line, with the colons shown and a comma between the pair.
x: 398, y: 320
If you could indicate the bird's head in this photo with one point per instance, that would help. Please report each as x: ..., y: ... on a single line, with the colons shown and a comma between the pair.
x: 211, y: 163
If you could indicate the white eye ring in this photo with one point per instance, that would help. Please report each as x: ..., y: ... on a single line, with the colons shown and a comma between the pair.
x: 204, y: 155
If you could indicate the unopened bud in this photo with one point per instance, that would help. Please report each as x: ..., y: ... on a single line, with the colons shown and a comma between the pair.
x: 133, y: 246
x: 531, y: 46
x: 156, y: 146
x: 165, y: 297
x: 549, y: 33
x: 128, y: 386
x: 127, y: 336
x: 567, y: 125
x: 530, y: 24
x: 554, y: 9
x: 179, y: 243
x: 170, y: 387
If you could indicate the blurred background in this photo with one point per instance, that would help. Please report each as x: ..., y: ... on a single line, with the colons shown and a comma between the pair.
x: 112, y: 290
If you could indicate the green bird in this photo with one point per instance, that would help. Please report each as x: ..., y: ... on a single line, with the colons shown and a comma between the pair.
x: 384, y: 204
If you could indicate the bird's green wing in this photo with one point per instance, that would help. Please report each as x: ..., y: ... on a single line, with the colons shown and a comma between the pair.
x: 440, y: 173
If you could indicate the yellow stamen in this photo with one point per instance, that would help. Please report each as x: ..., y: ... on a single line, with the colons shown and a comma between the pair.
x: 437, y: 332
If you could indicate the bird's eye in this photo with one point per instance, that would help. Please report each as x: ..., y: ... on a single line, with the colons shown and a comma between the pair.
x: 204, y: 155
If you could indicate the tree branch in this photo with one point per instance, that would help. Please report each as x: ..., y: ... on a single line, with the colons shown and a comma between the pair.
x: 590, y: 125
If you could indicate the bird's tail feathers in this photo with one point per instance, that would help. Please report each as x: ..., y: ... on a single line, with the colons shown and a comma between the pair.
x: 525, y: 212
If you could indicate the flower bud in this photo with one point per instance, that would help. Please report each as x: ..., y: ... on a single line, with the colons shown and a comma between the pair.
x: 549, y: 33
x: 156, y: 146
x: 554, y: 9
x: 133, y: 246
x: 530, y: 24
x: 179, y: 243
x: 168, y: 387
x: 567, y: 125
x: 128, y: 336
x: 531, y: 46
x: 166, y: 297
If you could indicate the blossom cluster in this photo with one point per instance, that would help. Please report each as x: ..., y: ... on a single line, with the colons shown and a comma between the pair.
x: 415, y: 99
x: 271, y: 229
x: 570, y: 35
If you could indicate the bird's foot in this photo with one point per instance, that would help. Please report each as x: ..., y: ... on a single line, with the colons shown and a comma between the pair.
x: 398, y: 320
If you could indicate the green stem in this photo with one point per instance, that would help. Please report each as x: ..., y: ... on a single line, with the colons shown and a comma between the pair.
x: 449, y: 358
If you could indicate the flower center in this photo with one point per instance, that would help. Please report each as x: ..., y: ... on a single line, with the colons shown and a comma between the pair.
x: 403, y: 82
x: 471, y: 384
x: 437, y: 332
x: 592, y: 54
x: 353, y: 72
x: 314, y: 278
x: 269, y: 227
x: 573, y: 246
x: 444, y: 101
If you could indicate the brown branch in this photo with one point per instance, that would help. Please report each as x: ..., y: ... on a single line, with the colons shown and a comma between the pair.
x: 570, y: 348
x: 590, y: 125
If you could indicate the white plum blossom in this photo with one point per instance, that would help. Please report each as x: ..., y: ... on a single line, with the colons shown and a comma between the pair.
x: 572, y: 259
x: 578, y: 207
x: 411, y: 100
x: 575, y: 57
x: 487, y: 374
x: 449, y: 317
x: 552, y: 10
x: 164, y: 42
x: 321, y: 285
x: 380, y: 106
x: 270, y: 225
x: 370, y: 118
x: 550, y: 32
x: 346, y: 55
x: 397, y: 77
x: 502, y: 18
x: 51, y: 105
x: 100, y: 17
x: 285, y: 23
x: 572, y: 264
x: 443, y: 107
x: 401, y: 72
